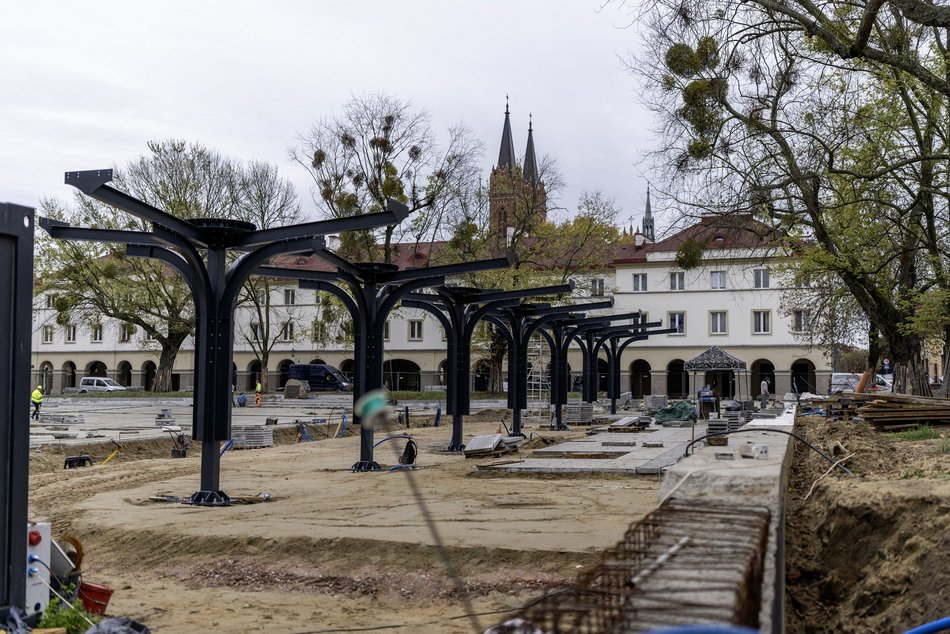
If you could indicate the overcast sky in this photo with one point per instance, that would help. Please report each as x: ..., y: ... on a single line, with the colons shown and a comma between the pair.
x: 85, y: 85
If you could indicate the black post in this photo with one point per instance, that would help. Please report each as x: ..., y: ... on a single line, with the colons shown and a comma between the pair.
x: 16, y: 294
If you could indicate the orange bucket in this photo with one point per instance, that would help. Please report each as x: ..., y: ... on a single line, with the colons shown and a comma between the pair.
x: 94, y: 597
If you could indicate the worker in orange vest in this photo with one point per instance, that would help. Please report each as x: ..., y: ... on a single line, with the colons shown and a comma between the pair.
x: 257, y: 394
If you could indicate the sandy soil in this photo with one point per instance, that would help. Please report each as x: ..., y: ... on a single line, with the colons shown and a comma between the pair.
x: 331, y: 549
x: 870, y: 553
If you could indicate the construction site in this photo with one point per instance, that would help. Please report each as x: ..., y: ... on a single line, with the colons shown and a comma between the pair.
x: 507, y: 532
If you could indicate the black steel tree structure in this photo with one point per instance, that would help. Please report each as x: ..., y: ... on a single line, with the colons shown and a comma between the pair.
x: 518, y: 324
x: 459, y: 310
x: 369, y: 292
x: 215, y: 286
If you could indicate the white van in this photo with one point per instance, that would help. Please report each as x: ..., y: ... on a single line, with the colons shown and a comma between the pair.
x: 840, y: 382
x: 96, y: 384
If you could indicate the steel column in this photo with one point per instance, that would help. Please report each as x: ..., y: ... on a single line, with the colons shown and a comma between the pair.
x: 16, y: 295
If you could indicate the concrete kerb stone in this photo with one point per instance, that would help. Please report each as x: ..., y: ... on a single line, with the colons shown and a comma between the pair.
x: 745, y: 482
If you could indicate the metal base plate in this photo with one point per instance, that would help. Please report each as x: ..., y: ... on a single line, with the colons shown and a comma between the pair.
x: 366, y: 465
x: 458, y: 447
x: 210, y: 498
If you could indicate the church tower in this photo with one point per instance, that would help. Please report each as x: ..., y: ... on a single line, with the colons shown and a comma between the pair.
x: 648, y: 232
x: 517, y: 200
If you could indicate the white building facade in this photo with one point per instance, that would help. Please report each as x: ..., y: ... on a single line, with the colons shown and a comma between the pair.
x: 732, y: 298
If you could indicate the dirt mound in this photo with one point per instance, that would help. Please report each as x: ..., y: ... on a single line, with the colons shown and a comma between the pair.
x: 253, y: 575
x: 869, y: 553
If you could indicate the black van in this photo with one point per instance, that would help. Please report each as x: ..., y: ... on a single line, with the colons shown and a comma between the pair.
x: 321, y: 377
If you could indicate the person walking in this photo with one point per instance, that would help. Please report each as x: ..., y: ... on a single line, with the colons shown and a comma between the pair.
x: 257, y: 394
x: 37, y: 400
x: 764, y: 394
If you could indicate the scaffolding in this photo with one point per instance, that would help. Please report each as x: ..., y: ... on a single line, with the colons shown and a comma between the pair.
x: 539, y: 382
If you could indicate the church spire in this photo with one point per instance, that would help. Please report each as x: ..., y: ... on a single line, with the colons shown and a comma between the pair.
x: 648, y: 219
x: 506, y: 156
x: 530, y: 162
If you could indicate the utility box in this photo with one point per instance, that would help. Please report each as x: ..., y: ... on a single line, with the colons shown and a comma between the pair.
x: 39, y: 542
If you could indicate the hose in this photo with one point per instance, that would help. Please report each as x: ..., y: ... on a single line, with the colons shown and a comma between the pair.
x: 704, y: 629
x: 940, y: 625
x: 379, y: 442
x: 769, y: 430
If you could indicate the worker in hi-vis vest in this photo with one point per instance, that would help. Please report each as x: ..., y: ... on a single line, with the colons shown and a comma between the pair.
x: 37, y: 399
x: 257, y: 394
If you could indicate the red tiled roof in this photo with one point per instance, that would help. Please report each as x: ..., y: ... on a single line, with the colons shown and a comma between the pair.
x: 735, y: 231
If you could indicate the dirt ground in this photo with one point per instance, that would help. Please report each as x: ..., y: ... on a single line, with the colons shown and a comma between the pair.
x: 330, y: 549
x: 869, y: 553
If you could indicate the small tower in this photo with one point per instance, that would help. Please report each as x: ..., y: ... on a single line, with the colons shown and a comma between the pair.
x: 530, y: 162
x: 648, y: 232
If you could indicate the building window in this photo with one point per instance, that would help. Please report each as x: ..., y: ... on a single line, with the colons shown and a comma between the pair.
x: 50, y: 299
x: 48, y: 333
x: 149, y: 336
x: 597, y: 287
x: 70, y: 331
x: 801, y: 321
x: 287, y: 331
x: 319, y: 330
x: 255, y: 331
x: 761, y: 322
x: 386, y: 331
x: 290, y: 296
x: 678, y: 321
x: 717, y: 323
x: 678, y: 281
x: 639, y: 282
x: 96, y: 333
x: 717, y: 280
x: 415, y: 330
x: 760, y: 278
x: 125, y: 333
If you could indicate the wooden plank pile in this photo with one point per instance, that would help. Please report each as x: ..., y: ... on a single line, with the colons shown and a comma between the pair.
x: 889, y: 411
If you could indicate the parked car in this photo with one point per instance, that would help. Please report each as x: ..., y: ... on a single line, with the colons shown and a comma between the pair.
x: 320, y: 377
x: 98, y: 384
x: 840, y: 382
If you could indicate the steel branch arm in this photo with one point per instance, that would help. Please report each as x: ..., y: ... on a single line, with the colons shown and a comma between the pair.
x: 449, y: 269
x: 432, y: 310
x: 397, y: 292
x: 340, y: 263
x: 395, y: 213
x: 93, y: 184
x: 169, y: 257
x: 503, y: 327
x: 62, y: 231
x: 303, y: 274
x: 526, y: 292
x: 340, y: 293
x: 243, y: 268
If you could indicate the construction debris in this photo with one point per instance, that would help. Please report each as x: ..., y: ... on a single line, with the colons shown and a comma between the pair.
x: 888, y: 411
x: 492, y: 445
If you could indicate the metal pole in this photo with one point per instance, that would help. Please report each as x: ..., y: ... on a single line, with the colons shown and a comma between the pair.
x: 16, y: 291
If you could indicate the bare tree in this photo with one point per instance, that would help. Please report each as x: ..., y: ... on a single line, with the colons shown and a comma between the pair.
x: 381, y: 147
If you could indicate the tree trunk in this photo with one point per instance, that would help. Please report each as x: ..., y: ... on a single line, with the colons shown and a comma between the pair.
x: 163, y: 374
x: 910, y: 376
x: 263, y: 378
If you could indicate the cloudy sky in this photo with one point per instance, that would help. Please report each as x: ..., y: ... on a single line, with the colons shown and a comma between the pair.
x: 84, y: 85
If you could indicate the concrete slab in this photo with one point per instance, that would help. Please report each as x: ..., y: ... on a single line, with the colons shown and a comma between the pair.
x: 631, y: 460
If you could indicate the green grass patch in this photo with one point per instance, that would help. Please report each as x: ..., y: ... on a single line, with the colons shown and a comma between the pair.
x: 923, y: 432
x: 942, y: 448
x: 921, y: 473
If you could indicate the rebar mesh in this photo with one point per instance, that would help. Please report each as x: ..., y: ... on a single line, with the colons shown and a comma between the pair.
x: 700, y: 563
